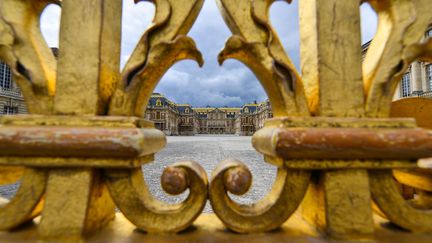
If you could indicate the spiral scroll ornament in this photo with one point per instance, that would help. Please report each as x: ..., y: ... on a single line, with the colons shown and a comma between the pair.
x: 318, y: 128
x: 131, y: 195
x: 85, y: 138
x: 233, y: 176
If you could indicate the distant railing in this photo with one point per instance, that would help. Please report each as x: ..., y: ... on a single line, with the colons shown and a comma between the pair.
x: 217, y: 126
x: 186, y: 124
x: 426, y: 94
x: 14, y: 93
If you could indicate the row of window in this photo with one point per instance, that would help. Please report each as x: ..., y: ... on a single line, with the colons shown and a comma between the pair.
x: 227, y: 113
x: 215, y: 116
x: 406, y: 84
x: 247, y: 120
x: 157, y: 115
x: 5, y: 76
x: 10, y: 110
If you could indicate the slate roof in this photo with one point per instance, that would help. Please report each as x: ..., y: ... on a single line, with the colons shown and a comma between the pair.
x: 183, y: 107
x: 203, y: 111
x: 231, y: 112
x: 252, y: 108
x: 223, y: 109
x: 154, y: 98
x: 164, y: 101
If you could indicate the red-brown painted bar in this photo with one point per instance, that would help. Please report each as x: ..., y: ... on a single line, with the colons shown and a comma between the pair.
x: 57, y: 141
x: 353, y: 143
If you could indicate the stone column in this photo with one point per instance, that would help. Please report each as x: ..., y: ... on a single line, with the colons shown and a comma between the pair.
x: 416, y: 77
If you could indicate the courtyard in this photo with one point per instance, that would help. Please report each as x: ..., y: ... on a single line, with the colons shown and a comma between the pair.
x: 208, y: 151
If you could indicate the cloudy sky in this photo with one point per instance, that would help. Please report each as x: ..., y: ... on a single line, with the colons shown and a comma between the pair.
x: 232, y: 84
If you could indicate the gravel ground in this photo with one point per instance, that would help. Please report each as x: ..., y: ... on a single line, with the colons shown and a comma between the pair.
x: 208, y: 151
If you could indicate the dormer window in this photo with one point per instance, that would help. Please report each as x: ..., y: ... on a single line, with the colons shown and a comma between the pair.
x: 158, y: 102
x: 187, y: 110
x: 246, y: 110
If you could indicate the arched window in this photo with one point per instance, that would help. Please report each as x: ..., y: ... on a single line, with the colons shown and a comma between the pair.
x: 246, y: 110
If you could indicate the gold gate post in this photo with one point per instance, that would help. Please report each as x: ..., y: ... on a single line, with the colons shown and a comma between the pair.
x: 77, y: 200
x: 86, y: 156
x: 331, y: 66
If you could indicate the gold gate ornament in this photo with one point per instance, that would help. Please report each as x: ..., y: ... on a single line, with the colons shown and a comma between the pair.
x: 331, y: 123
x: 80, y: 152
x: 84, y: 145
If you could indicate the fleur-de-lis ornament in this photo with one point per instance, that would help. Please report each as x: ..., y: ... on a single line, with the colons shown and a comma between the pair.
x: 332, y: 122
x: 85, y: 142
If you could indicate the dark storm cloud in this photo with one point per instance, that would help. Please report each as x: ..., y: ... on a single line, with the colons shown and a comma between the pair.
x: 232, y: 84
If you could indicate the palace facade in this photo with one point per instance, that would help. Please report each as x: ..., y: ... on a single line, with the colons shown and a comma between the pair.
x: 417, y: 80
x: 183, y: 119
x: 169, y: 117
x: 11, y: 99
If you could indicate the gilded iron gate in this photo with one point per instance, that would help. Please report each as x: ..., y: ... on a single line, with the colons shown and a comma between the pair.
x: 334, y: 152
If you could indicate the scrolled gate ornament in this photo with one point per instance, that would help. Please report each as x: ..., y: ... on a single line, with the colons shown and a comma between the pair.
x: 84, y: 144
x: 79, y: 154
x: 333, y: 120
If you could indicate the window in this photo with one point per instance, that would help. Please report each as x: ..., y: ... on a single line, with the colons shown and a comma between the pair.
x: 405, y: 85
x: 5, y: 76
x: 429, y: 33
x: 158, y: 102
x: 187, y: 110
x: 10, y: 110
x: 429, y: 77
x: 246, y: 110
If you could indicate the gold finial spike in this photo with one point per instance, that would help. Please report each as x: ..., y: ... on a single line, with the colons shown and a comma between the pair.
x: 331, y: 62
x: 89, y: 57
x: 331, y: 56
x: 77, y: 200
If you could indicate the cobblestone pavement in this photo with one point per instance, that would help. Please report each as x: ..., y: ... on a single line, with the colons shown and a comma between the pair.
x: 208, y: 151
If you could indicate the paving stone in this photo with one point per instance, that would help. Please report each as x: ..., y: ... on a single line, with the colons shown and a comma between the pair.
x: 207, y: 151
